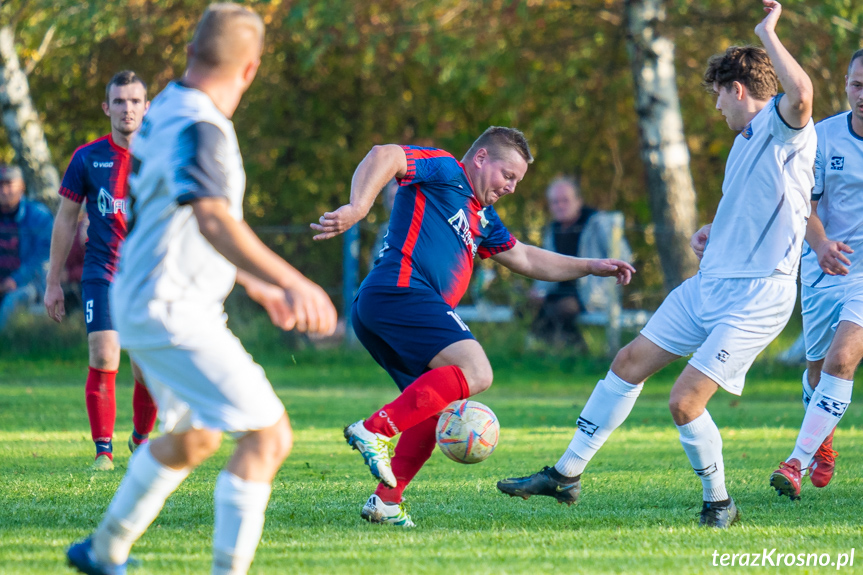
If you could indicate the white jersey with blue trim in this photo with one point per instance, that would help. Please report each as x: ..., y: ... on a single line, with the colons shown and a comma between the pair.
x: 171, y: 282
x: 839, y: 192
x: 761, y: 219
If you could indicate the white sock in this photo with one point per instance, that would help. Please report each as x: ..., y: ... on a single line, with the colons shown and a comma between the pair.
x: 703, y: 446
x: 828, y: 405
x: 137, y: 502
x: 609, y: 405
x: 807, y: 390
x: 240, y: 507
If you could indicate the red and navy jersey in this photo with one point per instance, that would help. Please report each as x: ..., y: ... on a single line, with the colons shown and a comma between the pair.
x: 98, y: 173
x: 436, y: 228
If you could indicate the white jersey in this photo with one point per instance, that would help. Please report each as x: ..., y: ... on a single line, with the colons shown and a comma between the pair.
x: 839, y: 192
x: 761, y: 219
x: 171, y: 283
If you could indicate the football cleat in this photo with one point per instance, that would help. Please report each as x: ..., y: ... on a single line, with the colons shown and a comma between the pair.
x: 375, y: 450
x: 103, y: 463
x: 718, y: 514
x: 542, y: 483
x: 377, y: 511
x: 80, y: 557
x: 786, y: 479
x: 823, y: 464
x: 132, y: 445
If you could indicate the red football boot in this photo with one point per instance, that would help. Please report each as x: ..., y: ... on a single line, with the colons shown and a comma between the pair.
x: 786, y: 479
x: 823, y: 463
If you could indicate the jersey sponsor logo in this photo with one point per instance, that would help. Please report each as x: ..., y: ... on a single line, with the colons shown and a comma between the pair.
x: 108, y: 205
x: 837, y: 163
x: 833, y: 407
x: 723, y: 355
x: 461, y: 225
x: 103, y: 164
x: 709, y: 470
x: 586, y: 427
x: 482, y: 219
x: 747, y: 131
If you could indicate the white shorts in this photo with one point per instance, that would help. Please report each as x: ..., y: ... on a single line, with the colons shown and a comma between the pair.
x: 724, y: 322
x: 823, y: 309
x: 212, y: 383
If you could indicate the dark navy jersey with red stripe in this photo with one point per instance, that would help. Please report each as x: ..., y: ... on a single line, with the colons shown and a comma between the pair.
x: 436, y: 228
x: 98, y: 173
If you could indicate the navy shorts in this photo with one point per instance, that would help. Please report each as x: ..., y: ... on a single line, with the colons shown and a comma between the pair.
x: 405, y: 328
x: 97, y: 313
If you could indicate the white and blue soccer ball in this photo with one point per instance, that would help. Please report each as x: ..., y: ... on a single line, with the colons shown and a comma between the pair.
x: 467, y: 431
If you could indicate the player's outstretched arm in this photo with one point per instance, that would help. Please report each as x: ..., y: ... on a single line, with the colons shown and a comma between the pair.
x: 62, y: 236
x: 698, y: 241
x: 308, y: 306
x: 830, y: 253
x: 549, y: 266
x: 796, y: 106
x: 380, y: 165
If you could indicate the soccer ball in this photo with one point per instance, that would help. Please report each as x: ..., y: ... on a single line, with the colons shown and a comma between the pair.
x: 467, y: 431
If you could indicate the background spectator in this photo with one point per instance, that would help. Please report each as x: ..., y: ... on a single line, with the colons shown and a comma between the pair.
x: 25, y: 242
x: 575, y: 230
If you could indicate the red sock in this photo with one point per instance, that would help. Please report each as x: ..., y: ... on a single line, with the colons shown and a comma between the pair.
x: 426, y: 396
x: 143, y: 410
x: 414, y: 448
x: 101, y: 407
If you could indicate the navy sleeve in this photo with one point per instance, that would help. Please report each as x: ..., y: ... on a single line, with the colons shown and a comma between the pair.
x: 426, y: 165
x: 499, y: 240
x: 200, y: 171
x: 73, y: 180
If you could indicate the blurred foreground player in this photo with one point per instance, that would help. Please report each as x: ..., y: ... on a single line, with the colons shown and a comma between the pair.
x: 404, y: 312
x: 745, y: 289
x: 98, y: 173
x: 186, y: 241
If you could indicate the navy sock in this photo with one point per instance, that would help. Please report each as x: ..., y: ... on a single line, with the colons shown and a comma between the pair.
x: 104, y: 447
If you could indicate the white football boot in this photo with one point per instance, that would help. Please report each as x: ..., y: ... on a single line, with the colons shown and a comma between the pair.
x: 376, y: 511
x: 375, y: 450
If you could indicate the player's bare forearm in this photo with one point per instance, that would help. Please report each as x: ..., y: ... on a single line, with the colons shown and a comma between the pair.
x: 545, y: 265
x: 238, y: 243
x: 62, y: 236
x: 815, y: 234
x: 796, y: 105
x: 380, y: 165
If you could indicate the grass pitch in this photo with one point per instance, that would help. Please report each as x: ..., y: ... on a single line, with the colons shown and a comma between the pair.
x: 638, y: 512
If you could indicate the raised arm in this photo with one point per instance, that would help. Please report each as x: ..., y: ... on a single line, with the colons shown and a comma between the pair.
x: 830, y: 253
x: 380, y: 165
x: 796, y: 106
x: 62, y: 236
x: 546, y: 265
x: 308, y: 307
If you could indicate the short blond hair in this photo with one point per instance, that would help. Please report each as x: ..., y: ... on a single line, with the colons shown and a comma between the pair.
x: 217, y: 41
x: 496, y: 140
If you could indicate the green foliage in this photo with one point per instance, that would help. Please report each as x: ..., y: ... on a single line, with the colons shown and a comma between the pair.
x: 338, y: 77
x: 638, y: 511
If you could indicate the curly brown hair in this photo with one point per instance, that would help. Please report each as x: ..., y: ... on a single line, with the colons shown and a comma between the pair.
x: 749, y: 65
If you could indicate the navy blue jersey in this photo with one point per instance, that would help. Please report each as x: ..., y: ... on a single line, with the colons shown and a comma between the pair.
x: 436, y: 228
x: 98, y: 173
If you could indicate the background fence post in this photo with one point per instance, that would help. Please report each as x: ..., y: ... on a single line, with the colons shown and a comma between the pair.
x: 612, y: 332
x: 351, y: 279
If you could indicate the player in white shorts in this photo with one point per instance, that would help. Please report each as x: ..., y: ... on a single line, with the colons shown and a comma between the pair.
x: 187, y: 243
x: 745, y: 289
x: 832, y: 292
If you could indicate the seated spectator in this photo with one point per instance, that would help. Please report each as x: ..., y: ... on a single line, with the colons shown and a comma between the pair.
x: 25, y: 243
x: 575, y: 230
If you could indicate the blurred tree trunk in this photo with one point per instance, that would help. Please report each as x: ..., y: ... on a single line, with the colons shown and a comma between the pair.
x: 663, y: 147
x: 23, y: 126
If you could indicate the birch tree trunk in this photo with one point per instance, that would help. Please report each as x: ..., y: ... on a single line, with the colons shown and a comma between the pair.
x: 663, y: 147
x: 23, y: 126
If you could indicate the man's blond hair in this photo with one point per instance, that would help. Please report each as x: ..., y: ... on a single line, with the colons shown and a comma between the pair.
x: 498, y: 141
x: 219, y: 38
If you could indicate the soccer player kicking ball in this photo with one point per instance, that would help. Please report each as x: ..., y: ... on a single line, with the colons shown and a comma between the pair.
x: 98, y: 174
x: 186, y: 241
x: 404, y: 310
x: 745, y: 290
x: 832, y: 293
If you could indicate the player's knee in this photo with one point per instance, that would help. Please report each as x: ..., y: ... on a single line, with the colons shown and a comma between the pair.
x: 480, y: 379
x: 683, y: 408
x: 842, y: 362
x: 283, y: 440
x: 200, y: 445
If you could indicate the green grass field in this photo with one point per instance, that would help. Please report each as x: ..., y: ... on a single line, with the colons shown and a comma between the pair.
x: 638, y: 512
